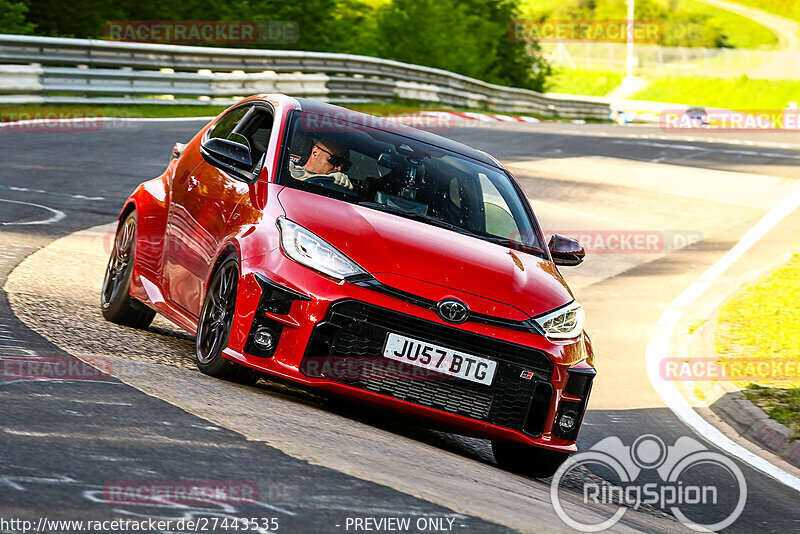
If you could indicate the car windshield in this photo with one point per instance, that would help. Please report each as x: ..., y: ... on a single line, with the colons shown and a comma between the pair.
x: 387, y: 171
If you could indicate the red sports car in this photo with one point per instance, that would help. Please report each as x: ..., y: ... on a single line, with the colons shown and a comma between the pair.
x: 364, y: 258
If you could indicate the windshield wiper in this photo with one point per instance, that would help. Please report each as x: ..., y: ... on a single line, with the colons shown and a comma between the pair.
x: 516, y: 245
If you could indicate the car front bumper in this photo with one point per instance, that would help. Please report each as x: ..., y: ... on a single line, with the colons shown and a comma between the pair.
x: 324, y: 330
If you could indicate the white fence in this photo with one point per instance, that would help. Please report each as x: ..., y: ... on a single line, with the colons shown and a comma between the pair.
x: 57, y: 70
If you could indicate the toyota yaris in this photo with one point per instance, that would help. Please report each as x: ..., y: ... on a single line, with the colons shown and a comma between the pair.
x: 368, y: 259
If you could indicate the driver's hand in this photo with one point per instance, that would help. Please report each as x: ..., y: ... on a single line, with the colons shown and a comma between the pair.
x: 340, y: 178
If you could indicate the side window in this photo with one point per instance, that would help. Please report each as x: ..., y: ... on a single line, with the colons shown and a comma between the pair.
x: 226, y: 124
x: 499, y: 220
x: 248, y: 125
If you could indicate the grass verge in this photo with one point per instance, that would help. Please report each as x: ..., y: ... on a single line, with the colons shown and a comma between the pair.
x: 781, y: 404
x: 785, y: 8
x: 736, y: 93
x: 740, y: 31
x: 685, y: 22
x: 584, y: 82
x: 762, y: 324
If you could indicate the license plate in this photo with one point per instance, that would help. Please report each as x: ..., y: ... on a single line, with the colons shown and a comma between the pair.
x: 439, y: 359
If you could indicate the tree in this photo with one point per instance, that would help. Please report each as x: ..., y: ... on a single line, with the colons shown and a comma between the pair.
x: 354, y: 28
x: 314, y: 19
x: 470, y: 37
x: 12, y: 18
x: 515, y: 63
x: 435, y: 33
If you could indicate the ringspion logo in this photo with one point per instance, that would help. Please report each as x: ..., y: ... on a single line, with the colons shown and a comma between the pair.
x: 704, y: 490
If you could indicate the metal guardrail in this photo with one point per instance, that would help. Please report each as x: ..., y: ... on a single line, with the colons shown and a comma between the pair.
x: 46, y: 69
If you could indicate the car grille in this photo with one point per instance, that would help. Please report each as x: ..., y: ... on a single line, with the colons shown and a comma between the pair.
x: 355, y: 330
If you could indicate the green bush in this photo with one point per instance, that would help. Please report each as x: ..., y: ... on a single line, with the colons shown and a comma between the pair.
x: 470, y: 37
x: 12, y: 18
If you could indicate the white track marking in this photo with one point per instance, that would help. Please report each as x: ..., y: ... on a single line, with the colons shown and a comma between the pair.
x: 626, y: 134
x: 57, y: 215
x: 658, y: 346
x: 696, y: 148
x: 42, y: 191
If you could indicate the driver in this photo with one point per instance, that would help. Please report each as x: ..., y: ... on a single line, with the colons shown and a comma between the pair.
x: 329, y: 157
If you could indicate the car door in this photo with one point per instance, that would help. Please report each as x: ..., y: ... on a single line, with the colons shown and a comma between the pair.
x: 202, y: 206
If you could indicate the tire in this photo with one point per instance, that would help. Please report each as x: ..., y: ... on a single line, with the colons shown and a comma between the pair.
x: 214, y: 327
x: 115, y: 299
x: 527, y: 460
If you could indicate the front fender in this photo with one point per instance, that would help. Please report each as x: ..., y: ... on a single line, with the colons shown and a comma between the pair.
x: 151, y: 202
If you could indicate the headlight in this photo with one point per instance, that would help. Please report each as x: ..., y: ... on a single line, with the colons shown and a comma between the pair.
x: 564, y: 323
x: 312, y: 251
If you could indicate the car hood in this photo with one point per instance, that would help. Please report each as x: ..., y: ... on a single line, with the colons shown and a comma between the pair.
x: 432, y: 262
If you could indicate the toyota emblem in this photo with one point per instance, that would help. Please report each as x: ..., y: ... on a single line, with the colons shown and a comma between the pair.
x: 452, y: 311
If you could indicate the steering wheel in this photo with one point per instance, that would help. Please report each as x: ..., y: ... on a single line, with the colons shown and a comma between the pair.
x: 328, y: 183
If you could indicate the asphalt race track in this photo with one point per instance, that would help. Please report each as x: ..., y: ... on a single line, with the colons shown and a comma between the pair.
x: 316, y: 462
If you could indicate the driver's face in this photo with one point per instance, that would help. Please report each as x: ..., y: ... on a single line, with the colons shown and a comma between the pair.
x: 318, y: 162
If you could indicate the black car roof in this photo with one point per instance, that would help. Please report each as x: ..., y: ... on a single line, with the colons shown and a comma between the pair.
x: 322, y: 108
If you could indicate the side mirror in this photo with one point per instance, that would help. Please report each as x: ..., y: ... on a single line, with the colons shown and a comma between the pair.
x: 230, y: 156
x: 565, y: 250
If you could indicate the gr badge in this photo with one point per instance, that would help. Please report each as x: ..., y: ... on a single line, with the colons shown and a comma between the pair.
x: 526, y: 375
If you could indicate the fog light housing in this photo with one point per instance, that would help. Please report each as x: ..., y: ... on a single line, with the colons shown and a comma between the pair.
x: 567, y: 421
x: 264, y: 338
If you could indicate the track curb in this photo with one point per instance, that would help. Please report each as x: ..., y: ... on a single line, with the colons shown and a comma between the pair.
x: 729, y: 402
